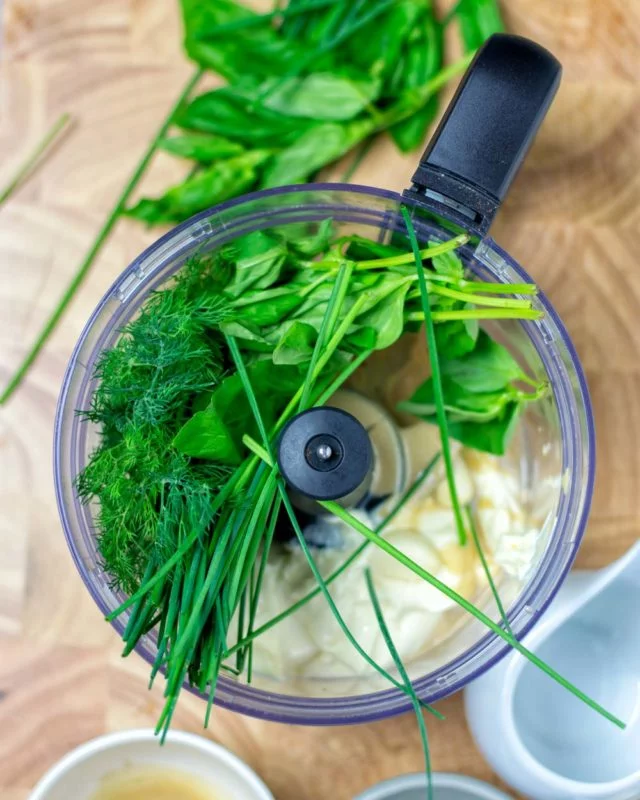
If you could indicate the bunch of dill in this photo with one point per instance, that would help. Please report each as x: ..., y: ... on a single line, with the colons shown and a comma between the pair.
x: 147, y: 491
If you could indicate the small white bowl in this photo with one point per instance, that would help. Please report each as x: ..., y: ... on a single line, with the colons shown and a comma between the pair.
x: 447, y: 786
x: 78, y: 775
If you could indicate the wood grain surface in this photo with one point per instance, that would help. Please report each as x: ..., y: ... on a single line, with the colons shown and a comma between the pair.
x: 572, y: 219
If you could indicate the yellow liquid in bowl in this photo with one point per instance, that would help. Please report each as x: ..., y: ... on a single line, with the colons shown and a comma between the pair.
x: 154, y: 783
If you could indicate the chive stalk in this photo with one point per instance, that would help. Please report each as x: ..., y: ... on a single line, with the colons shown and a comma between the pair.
x: 95, y: 248
x: 59, y: 129
x: 434, y: 361
x: 401, y: 558
x: 395, y: 655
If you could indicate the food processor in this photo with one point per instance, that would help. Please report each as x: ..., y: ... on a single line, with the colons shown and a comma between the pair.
x: 462, y: 179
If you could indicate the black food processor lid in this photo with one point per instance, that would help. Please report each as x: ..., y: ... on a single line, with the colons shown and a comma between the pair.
x: 326, y: 454
x: 486, y: 132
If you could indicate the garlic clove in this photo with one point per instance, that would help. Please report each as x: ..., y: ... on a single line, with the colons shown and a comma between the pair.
x: 464, y: 487
x: 412, y: 545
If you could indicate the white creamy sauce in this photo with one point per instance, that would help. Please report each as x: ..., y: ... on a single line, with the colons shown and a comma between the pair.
x: 311, y: 644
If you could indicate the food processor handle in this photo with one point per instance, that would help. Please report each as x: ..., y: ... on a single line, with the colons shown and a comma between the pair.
x: 487, y: 130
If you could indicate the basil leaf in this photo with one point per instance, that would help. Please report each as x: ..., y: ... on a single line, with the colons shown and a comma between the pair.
x: 314, y: 244
x: 459, y: 404
x: 489, y: 437
x: 387, y: 317
x: 488, y: 367
x: 421, y: 62
x: 268, y: 312
x: 361, y: 249
x: 456, y: 338
x: 201, y: 147
x: 254, y: 50
x: 216, y: 433
x: 277, y: 384
x: 230, y: 112
x: 213, y: 185
x: 378, y: 45
x: 200, y: 18
x: 207, y: 435
x: 251, y: 335
x: 324, y: 24
x: 295, y: 345
x: 385, y: 284
x: 478, y: 19
x: 448, y: 264
x: 315, y: 303
x: 323, y: 96
x: 258, y: 259
x: 483, y: 421
x: 150, y: 211
x: 411, y: 132
x: 317, y: 147
x: 364, y: 338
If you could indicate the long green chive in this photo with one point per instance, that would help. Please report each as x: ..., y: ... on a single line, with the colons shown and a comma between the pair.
x: 408, y: 258
x: 496, y: 288
x: 326, y: 356
x: 242, y: 607
x: 237, y: 524
x: 478, y: 299
x: 248, y: 388
x: 133, y: 617
x: 405, y: 678
x: 343, y: 376
x: 263, y: 502
x: 327, y: 326
x: 146, y: 586
x: 480, y: 313
x: 438, y: 394
x: 95, y: 248
x: 256, y: 587
x: 170, y: 626
x: 327, y: 595
x: 60, y: 128
x: 213, y: 578
x: 487, y: 571
x: 399, y: 556
x: 404, y: 499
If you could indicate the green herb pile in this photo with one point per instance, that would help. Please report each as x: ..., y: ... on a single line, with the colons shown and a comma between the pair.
x: 305, y: 85
x: 190, y: 400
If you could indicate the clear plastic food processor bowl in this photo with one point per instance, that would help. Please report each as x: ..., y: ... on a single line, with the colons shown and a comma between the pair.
x: 553, y: 453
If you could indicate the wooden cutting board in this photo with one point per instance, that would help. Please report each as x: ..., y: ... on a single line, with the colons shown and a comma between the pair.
x: 572, y: 219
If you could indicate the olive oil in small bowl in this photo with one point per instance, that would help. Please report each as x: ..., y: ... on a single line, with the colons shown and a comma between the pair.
x: 155, y: 783
x: 132, y: 765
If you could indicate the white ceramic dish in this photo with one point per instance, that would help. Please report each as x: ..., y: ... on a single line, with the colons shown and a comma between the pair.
x: 447, y: 786
x: 78, y: 775
x: 538, y: 737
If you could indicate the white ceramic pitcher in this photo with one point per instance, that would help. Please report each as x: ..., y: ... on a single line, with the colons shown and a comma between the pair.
x: 537, y: 736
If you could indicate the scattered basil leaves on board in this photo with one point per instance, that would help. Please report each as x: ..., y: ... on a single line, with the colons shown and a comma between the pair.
x: 364, y: 67
x: 309, y: 82
x: 201, y: 147
x: 478, y: 19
